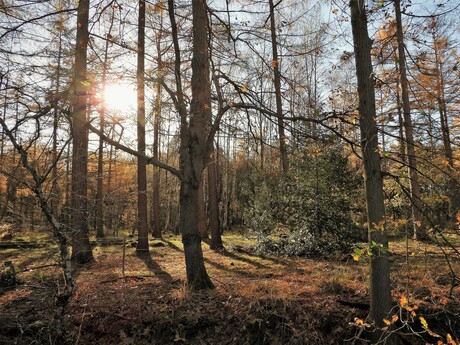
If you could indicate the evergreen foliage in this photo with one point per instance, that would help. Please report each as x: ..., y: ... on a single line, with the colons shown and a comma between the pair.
x: 309, y: 212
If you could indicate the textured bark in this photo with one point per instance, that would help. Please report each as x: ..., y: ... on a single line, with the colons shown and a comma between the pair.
x: 201, y: 209
x: 380, y: 273
x: 142, y: 222
x: 419, y: 227
x: 194, y: 144
x: 277, y: 83
x: 81, y: 249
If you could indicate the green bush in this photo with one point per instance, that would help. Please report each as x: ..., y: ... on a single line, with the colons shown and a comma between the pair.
x: 310, y: 212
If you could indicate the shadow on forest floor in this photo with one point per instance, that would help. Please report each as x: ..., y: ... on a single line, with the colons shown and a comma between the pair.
x: 155, y: 268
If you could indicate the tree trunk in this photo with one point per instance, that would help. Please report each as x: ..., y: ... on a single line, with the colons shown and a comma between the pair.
x: 197, y: 277
x: 54, y: 174
x: 81, y: 249
x: 213, y: 200
x: 194, y: 148
x: 142, y: 222
x: 156, y: 212
x: 419, y: 227
x: 277, y: 83
x: 454, y: 189
x: 201, y: 209
x: 380, y: 293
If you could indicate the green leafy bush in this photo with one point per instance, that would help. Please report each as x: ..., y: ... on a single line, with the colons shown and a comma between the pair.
x: 310, y: 212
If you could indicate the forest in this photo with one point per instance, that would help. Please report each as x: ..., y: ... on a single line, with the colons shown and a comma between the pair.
x: 229, y: 172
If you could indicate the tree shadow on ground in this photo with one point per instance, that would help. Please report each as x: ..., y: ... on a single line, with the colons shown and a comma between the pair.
x: 155, y: 268
x: 241, y: 272
x: 238, y: 271
x: 173, y: 246
x: 279, y: 261
x: 243, y: 259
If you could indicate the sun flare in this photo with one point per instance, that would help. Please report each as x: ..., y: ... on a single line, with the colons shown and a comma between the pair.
x: 120, y: 97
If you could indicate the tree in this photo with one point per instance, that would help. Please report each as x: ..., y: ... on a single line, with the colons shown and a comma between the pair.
x: 419, y: 227
x: 277, y: 85
x: 380, y: 292
x: 194, y: 140
x: 213, y: 200
x: 100, y: 157
x: 156, y: 212
x: 142, y: 223
x: 81, y: 248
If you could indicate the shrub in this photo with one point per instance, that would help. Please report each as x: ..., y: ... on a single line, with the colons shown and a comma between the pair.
x: 311, y: 209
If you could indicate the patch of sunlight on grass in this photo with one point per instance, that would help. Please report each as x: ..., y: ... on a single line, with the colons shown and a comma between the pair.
x: 236, y: 239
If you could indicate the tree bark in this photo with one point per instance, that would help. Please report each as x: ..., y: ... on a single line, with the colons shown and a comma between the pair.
x: 380, y: 293
x: 277, y: 83
x: 194, y: 149
x: 419, y: 227
x: 81, y: 249
x: 201, y: 208
x: 142, y: 222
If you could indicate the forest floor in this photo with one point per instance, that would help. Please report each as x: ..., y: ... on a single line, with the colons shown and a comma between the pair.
x: 257, y: 299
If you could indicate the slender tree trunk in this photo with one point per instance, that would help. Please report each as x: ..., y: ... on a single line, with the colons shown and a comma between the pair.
x: 380, y: 273
x: 5, y: 108
x: 419, y: 227
x: 213, y: 200
x: 54, y: 174
x: 81, y: 249
x: 454, y: 189
x: 277, y: 83
x: 142, y: 222
x: 109, y: 187
x: 100, y: 157
x: 156, y: 212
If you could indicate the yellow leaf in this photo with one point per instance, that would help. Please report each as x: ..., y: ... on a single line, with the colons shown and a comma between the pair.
x: 450, y: 341
x: 335, y: 10
x: 403, y: 301
x: 387, y: 322
x: 394, y: 318
x: 355, y: 256
x: 423, y: 322
x: 244, y: 89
